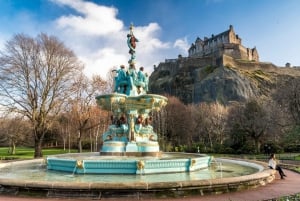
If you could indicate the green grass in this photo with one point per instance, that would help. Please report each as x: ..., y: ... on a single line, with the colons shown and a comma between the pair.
x: 28, y: 153
x: 297, y: 169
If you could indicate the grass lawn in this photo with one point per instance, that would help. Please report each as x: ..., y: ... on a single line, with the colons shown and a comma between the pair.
x: 28, y: 153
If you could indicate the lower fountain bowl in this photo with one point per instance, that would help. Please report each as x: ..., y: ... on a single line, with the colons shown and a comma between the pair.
x: 224, y: 175
x: 129, y: 164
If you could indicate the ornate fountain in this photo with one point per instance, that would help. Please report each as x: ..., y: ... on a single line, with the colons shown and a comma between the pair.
x: 130, y: 144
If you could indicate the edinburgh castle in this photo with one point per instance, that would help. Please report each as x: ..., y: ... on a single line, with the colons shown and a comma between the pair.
x: 227, y: 43
x: 211, y: 51
x: 218, y: 68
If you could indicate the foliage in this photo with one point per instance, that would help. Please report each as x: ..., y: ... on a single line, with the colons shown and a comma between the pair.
x: 209, y: 69
x: 248, y: 148
x: 292, y: 140
x: 196, y: 148
x: 288, y: 96
x: 295, y: 197
x: 223, y: 148
x: 252, y: 120
x: 271, y: 147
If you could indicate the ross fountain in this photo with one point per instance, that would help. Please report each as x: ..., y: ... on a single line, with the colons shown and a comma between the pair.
x: 130, y: 161
x: 130, y: 135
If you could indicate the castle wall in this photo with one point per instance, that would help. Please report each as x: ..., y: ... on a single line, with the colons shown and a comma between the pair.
x: 202, y: 61
x: 173, y: 65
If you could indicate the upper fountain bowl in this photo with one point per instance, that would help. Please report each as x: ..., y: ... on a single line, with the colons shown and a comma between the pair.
x: 118, y: 101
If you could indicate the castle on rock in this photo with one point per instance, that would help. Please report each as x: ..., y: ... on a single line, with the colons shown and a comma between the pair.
x: 226, y: 43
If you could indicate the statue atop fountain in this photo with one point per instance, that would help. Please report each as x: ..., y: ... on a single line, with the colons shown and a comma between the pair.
x: 130, y: 132
x: 128, y: 81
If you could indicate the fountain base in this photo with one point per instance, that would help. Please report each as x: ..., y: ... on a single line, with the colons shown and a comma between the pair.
x: 128, y: 164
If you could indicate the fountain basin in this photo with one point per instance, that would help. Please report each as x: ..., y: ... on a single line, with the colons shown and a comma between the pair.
x: 31, y: 176
x: 127, y: 165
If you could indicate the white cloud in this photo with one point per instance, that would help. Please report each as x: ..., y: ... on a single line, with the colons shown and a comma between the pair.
x: 102, y: 61
x: 182, y: 44
x: 99, y: 39
x: 2, y: 42
x: 94, y: 19
x: 148, y: 42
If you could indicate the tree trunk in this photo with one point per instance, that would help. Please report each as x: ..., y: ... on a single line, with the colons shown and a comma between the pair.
x: 13, y: 148
x: 257, y: 146
x: 96, y: 138
x: 64, y: 141
x: 79, y: 142
x: 38, y: 148
x: 91, y: 140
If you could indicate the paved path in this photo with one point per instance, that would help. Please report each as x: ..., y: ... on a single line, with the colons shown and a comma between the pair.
x: 279, y: 188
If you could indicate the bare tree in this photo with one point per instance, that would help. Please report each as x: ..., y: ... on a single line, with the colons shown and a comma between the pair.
x: 35, y: 79
x: 63, y: 126
x: 14, y: 131
x: 159, y: 123
x: 83, y: 102
x: 178, y: 122
x: 98, y: 124
x: 210, y: 123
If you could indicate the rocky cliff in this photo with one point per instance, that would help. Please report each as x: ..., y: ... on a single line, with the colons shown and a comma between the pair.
x: 227, y: 80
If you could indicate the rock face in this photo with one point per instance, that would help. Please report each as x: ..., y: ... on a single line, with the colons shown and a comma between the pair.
x: 223, y: 84
x: 226, y: 79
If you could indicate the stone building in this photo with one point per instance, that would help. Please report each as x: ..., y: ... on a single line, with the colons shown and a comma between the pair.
x: 226, y: 43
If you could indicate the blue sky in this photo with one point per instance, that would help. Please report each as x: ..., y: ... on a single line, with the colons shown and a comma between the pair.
x: 96, y: 29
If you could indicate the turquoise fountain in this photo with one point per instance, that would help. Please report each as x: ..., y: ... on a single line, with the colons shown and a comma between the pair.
x: 130, y: 145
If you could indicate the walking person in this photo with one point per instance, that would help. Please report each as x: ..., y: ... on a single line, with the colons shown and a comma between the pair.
x: 273, y: 165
